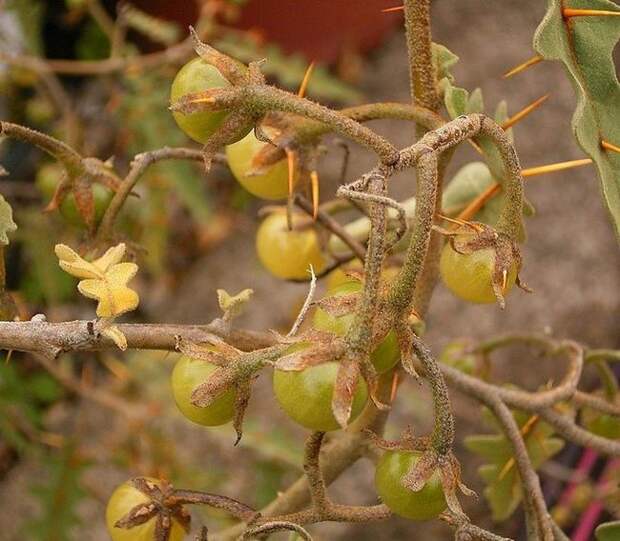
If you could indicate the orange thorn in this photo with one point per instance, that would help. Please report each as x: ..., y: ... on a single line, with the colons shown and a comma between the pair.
x: 476, y: 146
x: 393, y: 9
x: 523, y: 66
x: 304, y: 82
x: 504, y: 281
x: 610, y: 146
x: 203, y: 100
x: 552, y: 168
x: 314, y: 184
x: 524, y: 112
x: 395, y: 382
x: 476, y: 204
x: 568, y: 12
x: 290, y: 159
x: 507, y: 467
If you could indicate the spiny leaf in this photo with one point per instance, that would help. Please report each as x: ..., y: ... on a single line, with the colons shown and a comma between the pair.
x: 504, y: 491
x: 585, y: 47
x: 7, y: 225
x: 459, y: 101
x: 444, y: 60
x: 104, y: 279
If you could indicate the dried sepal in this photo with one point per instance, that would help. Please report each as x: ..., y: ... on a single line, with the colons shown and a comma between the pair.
x: 218, y: 382
x: 204, y: 352
x: 308, y: 348
x: 338, y: 305
x: 232, y: 70
x: 507, y: 254
x: 268, y: 528
x: 347, y: 380
x: 404, y: 335
x: 242, y: 399
x: 84, y: 199
x: 157, y: 506
x: 137, y: 515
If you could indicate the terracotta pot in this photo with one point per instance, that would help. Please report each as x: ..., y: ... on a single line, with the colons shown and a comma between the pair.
x: 320, y: 29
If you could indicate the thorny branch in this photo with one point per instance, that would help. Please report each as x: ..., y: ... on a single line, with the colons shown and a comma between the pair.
x: 47, y: 341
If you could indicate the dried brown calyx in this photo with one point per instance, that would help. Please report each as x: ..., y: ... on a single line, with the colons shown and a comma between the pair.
x: 430, y: 461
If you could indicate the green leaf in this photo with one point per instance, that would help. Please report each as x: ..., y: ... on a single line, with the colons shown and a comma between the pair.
x: 467, y: 184
x: 7, y: 225
x: 503, y: 490
x: 610, y: 531
x: 585, y: 47
x: 444, y: 60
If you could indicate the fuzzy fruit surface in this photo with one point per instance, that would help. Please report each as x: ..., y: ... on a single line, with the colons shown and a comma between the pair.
x: 188, y: 374
x: 123, y: 500
x: 385, y: 355
x: 469, y: 276
x: 288, y: 254
x: 272, y: 184
x: 48, y: 177
x: 197, y: 76
x: 425, y: 504
x: 306, y: 396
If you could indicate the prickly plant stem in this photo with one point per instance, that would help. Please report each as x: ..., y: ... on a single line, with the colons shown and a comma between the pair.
x: 538, y: 521
x: 442, y: 437
x: 422, y: 73
x: 423, y: 90
x: 430, y: 269
x: 312, y: 467
x: 55, y: 148
x: 509, y: 221
x: 264, y: 98
x: 360, y: 333
x: 311, y: 129
x: 401, y: 293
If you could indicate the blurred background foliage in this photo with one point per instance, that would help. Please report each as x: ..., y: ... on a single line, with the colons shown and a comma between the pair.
x: 118, y: 115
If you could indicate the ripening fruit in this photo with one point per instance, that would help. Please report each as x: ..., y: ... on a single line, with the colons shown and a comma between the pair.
x: 273, y: 183
x: 188, y: 374
x: 469, y: 276
x: 48, y: 177
x: 123, y: 500
x: 197, y: 76
x: 288, y: 254
x: 386, y: 354
x: 306, y: 396
x: 425, y: 504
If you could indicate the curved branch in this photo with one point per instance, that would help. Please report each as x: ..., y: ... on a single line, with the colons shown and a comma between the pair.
x: 139, y: 165
x: 266, y: 98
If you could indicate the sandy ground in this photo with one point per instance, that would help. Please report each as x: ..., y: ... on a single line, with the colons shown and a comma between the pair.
x: 572, y: 259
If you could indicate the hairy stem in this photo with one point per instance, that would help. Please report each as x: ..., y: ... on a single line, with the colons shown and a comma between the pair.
x: 422, y: 73
x: 264, y: 98
x: 443, y: 431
